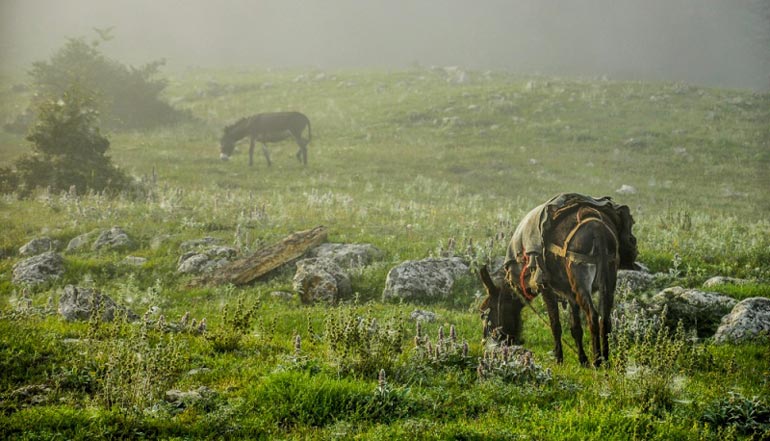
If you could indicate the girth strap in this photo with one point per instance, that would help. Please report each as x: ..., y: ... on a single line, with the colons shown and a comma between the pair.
x: 579, y: 257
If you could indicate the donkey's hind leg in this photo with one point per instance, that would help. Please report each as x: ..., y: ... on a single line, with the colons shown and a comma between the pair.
x: 576, y: 329
x: 267, y: 154
x: 581, y: 280
x: 302, y: 150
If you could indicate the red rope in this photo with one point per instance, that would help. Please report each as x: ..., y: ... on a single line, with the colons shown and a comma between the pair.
x: 522, y: 275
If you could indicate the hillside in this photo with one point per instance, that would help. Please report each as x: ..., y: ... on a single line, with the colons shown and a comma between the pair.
x: 408, y: 161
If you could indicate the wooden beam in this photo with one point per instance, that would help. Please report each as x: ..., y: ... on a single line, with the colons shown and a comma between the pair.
x: 251, y: 268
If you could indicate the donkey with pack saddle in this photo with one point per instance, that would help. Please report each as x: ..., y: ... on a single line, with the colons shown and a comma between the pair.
x: 266, y: 127
x: 568, y: 249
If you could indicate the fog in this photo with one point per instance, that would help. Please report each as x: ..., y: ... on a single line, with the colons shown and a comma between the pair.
x: 708, y: 42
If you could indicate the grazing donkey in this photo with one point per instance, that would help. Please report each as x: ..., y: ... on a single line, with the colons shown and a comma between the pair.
x: 581, y: 243
x: 266, y: 127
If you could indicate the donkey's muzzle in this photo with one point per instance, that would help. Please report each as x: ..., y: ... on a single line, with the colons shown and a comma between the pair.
x: 224, y: 157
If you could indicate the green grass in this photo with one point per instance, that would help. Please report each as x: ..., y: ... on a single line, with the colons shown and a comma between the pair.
x: 406, y: 161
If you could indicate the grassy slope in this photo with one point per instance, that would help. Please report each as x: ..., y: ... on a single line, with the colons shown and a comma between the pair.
x: 407, y: 160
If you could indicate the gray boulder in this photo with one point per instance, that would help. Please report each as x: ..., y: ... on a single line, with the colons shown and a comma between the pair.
x: 182, y: 399
x: 321, y: 279
x: 282, y: 296
x: 698, y: 310
x: 38, y: 246
x: 749, y: 319
x: 722, y: 280
x: 112, y: 239
x: 38, y: 269
x: 134, y: 260
x: 346, y: 255
x: 427, y: 279
x: 423, y: 316
x: 638, y: 281
x: 81, y: 303
x: 82, y: 241
x: 205, y: 261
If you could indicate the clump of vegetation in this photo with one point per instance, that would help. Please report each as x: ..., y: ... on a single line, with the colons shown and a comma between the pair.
x: 129, y: 96
x: 749, y: 416
x: 360, y: 344
x: 235, y: 325
x: 648, y: 359
x: 447, y: 351
x: 68, y: 150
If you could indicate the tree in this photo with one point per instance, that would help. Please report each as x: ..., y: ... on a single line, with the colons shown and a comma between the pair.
x: 68, y: 150
x: 129, y: 96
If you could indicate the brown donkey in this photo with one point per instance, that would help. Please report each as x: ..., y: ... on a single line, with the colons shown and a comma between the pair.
x: 584, y: 244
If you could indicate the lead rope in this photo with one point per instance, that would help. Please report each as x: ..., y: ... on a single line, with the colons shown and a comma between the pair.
x: 542, y: 319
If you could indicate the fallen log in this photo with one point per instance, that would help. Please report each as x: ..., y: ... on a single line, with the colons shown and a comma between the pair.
x: 250, y: 268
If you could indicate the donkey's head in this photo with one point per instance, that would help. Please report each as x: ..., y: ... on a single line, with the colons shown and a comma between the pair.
x: 500, y: 310
x: 226, y: 144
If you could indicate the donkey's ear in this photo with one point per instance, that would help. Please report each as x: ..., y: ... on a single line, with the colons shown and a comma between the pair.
x: 492, y: 290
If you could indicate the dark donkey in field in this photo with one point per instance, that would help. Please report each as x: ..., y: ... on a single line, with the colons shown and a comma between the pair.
x: 267, y: 127
x: 579, y: 244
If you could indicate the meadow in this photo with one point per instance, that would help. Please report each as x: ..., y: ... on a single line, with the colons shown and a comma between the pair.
x: 409, y: 161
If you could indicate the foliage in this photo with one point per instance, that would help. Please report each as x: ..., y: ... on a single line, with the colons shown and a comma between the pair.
x: 68, y: 150
x: 359, y: 344
x: 129, y: 96
x: 750, y: 416
x: 647, y: 359
x: 235, y: 325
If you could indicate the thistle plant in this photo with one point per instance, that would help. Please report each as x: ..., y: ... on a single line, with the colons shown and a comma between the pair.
x: 511, y: 364
x: 648, y: 358
x: 446, y: 352
x: 359, y: 344
x: 235, y: 325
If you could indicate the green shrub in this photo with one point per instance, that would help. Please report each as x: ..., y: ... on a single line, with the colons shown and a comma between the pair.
x: 68, y: 149
x: 750, y: 416
x: 235, y: 325
x: 360, y: 344
x: 130, y: 96
x: 647, y: 359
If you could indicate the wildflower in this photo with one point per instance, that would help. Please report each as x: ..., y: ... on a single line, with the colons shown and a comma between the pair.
x: 184, y: 319
x: 381, y: 384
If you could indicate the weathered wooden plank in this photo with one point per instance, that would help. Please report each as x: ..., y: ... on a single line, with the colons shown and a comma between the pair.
x: 250, y: 268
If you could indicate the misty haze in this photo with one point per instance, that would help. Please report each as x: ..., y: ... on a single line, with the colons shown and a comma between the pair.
x: 706, y: 42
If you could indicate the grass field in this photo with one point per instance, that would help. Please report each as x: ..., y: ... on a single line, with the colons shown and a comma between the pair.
x: 405, y: 160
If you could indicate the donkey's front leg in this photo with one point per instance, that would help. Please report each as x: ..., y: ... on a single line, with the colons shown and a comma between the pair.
x: 553, y: 315
x: 251, y: 153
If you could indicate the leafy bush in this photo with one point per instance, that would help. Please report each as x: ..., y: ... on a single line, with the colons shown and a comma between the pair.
x: 648, y: 359
x: 130, y: 96
x: 360, y: 345
x: 68, y: 150
x: 235, y: 326
x: 750, y: 416
x: 132, y: 366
